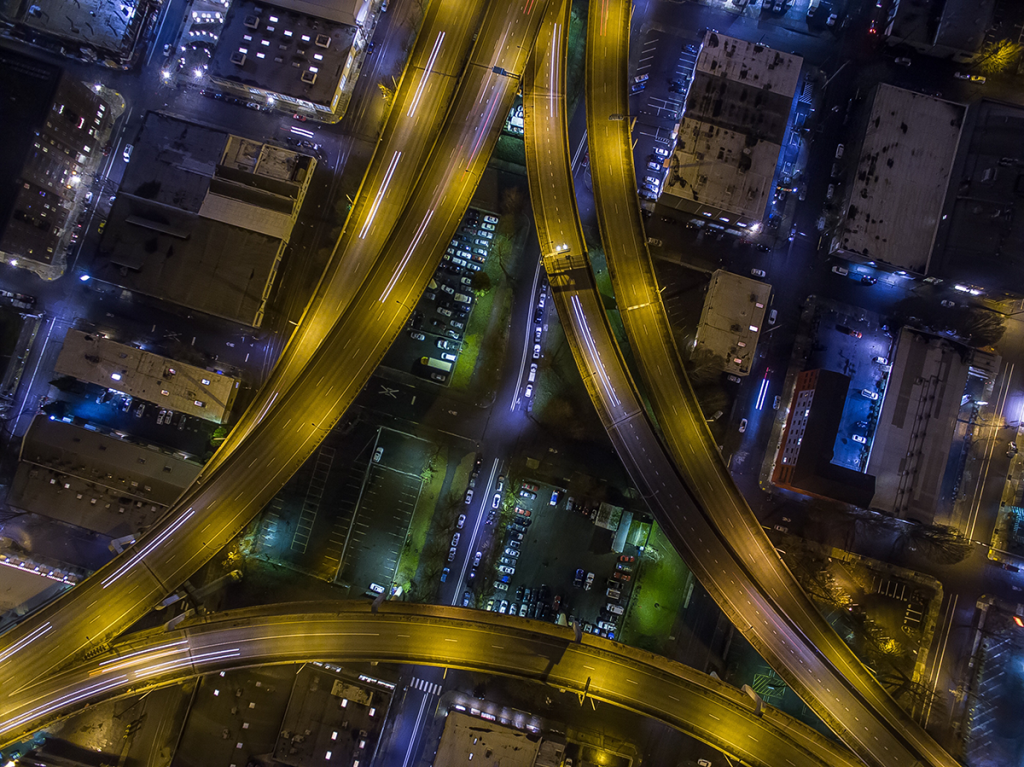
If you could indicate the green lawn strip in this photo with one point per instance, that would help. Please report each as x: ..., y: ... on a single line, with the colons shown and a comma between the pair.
x: 486, y: 336
x: 661, y: 581
x: 435, y: 523
x: 422, y: 516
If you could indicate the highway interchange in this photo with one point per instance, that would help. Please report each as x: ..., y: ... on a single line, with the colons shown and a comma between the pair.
x: 388, y: 252
x: 785, y: 627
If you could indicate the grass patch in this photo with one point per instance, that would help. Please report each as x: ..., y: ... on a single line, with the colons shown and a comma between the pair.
x: 658, y: 595
x: 575, y: 55
x: 435, y: 521
x: 433, y: 479
x: 477, y: 341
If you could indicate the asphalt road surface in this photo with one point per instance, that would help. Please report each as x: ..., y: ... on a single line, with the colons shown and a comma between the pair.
x: 678, y: 695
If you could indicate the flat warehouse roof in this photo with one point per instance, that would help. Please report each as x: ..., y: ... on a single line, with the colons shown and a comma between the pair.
x: 901, y: 177
x: 146, y: 376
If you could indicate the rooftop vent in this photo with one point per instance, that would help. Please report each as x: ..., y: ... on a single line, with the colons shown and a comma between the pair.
x: 252, y: 22
x: 323, y: 41
x: 238, y: 58
x: 309, y: 77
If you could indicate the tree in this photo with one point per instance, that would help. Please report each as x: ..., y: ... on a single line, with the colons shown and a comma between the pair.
x: 982, y: 327
x: 501, y: 249
x: 999, y: 56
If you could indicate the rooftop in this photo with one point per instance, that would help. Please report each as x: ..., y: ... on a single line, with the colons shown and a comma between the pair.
x: 955, y: 24
x: 149, y: 377
x: 982, y: 239
x: 466, y: 737
x: 90, y: 479
x: 896, y: 194
x: 27, y: 87
x: 916, y: 424
x: 732, y: 318
x: 201, y: 218
x: 737, y: 109
x: 287, y: 48
x: 103, y: 24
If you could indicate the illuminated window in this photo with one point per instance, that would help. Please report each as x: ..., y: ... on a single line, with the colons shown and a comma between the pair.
x: 206, y: 381
x: 198, y: 403
x: 116, y: 376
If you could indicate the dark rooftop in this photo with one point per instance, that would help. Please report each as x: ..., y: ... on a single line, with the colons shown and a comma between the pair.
x: 282, y: 51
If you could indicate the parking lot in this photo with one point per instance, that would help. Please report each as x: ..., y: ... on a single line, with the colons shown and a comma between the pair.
x: 851, y: 341
x: 319, y: 523
x: 431, y: 346
x: 548, y: 579
x: 658, y: 87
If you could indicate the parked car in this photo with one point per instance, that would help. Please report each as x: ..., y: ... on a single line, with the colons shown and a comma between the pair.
x: 445, y: 573
x: 496, y: 500
x: 758, y: 273
x: 500, y: 586
x: 743, y: 425
x: 577, y: 580
x: 461, y: 522
x: 869, y: 394
x: 527, y: 495
x: 860, y: 439
x: 455, y: 540
x: 469, y: 495
x: 378, y: 454
x: 467, y: 598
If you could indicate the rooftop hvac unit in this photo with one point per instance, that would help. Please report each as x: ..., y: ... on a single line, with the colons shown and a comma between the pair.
x: 308, y: 77
x: 252, y: 22
x: 323, y: 41
x: 238, y: 58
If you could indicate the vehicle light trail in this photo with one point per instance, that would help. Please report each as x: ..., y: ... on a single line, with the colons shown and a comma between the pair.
x: 113, y: 577
x: 763, y: 392
x: 380, y: 194
x: 609, y: 390
x: 45, y: 628
x: 64, y: 700
x: 408, y: 254
x: 426, y: 73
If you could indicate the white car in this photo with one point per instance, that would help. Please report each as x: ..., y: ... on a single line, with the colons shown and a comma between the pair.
x: 772, y: 316
x: 461, y: 522
x: 377, y: 454
x: 860, y: 439
x: 469, y: 496
x: 743, y: 425
x: 839, y: 151
x: 487, y: 227
x: 529, y: 391
x: 491, y: 219
x: 127, y: 153
x: 536, y: 351
x: 758, y: 273
x: 869, y: 394
x: 496, y: 501
x: 506, y: 570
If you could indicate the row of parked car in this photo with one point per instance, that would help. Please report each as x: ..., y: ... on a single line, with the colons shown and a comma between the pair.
x: 451, y: 292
